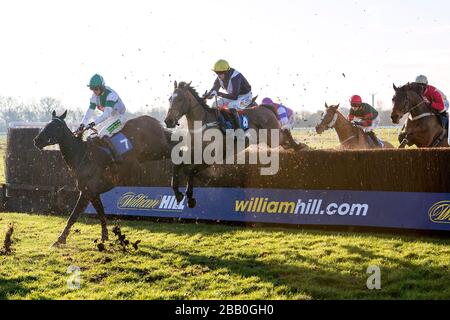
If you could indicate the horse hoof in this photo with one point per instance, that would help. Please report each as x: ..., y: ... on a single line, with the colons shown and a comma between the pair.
x: 179, y: 197
x: 58, y: 244
x: 192, y: 202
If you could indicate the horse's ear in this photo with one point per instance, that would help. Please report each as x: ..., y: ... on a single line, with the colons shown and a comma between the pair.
x: 189, y: 84
x: 175, y: 84
x: 326, y: 105
x: 337, y: 107
x: 395, y: 88
x: 54, y: 114
x: 63, y: 116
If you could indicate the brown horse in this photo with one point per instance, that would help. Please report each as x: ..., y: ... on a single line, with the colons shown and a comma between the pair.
x: 185, y: 101
x: 350, y: 136
x: 422, y: 128
x: 91, y: 166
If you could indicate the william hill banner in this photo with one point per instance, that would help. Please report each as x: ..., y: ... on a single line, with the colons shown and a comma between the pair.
x: 421, y: 211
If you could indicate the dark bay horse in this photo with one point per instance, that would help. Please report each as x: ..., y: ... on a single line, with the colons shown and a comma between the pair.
x: 350, y: 136
x: 89, y: 164
x: 422, y: 128
x: 185, y: 101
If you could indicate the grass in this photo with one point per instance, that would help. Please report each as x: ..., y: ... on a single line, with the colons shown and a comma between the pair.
x: 200, y: 261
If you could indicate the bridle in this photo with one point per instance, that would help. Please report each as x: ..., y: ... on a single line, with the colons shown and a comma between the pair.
x: 330, y: 124
x: 420, y: 115
x: 205, y: 124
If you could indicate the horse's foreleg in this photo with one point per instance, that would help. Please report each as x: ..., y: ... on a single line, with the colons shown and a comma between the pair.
x: 80, y: 206
x: 98, y: 205
x: 175, y: 183
x: 190, y: 190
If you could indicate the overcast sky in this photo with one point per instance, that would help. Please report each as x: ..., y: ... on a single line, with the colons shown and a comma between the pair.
x: 293, y: 51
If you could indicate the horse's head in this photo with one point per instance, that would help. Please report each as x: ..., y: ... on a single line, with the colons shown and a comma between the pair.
x: 405, y: 99
x: 179, y: 104
x: 52, y: 133
x: 328, y: 118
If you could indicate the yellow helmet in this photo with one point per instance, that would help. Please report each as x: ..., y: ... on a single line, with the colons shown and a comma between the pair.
x: 221, y: 66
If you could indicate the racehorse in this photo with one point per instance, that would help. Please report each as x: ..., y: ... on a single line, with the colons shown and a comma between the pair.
x: 185, y: 101
x: 350, y: 136
x: 89, y: 164
x: 422, y: 128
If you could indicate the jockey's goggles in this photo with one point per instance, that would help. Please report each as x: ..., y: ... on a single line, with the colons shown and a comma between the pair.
x: 355, y: 105
x: 95, y: 88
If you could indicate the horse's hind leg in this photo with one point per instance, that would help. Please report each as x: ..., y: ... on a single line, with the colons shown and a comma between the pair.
x: 98, y: 205
x: 80, y: 206
x: 175, y: 183
x: 290, y: 142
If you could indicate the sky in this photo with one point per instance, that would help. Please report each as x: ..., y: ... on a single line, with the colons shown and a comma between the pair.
x: 300, y: 53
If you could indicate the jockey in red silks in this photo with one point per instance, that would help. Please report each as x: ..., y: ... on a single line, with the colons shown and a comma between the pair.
x: 436, y: 98
x: 285, y: 114
x: 366, y: 116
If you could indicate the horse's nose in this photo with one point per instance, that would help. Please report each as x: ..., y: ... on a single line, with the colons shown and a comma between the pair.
x: 394, y: 118
x: 317, y: 129
x: 169, y: 123
x: 37, y: 143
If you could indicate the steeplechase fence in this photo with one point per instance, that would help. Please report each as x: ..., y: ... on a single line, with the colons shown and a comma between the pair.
x: 380, y: 188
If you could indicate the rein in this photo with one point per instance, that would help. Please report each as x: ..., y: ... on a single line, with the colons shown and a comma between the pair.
x: 421, y: 115
x: 348, y: 139
x: 205, y: 124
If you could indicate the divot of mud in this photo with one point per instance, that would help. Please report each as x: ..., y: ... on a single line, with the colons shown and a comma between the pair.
x: 7, y: 243
x: 123, y: 241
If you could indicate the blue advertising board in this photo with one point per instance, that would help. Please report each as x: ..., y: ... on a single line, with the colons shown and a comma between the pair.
x: 409, y: 210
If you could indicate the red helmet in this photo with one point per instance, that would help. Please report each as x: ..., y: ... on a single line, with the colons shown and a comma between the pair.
x: 356, y: 99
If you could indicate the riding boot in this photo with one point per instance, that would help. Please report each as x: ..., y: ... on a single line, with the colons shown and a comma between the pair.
x: 374, y: 138
x: 444, y: 120
x: 115, y: 155
x: 235, y: 117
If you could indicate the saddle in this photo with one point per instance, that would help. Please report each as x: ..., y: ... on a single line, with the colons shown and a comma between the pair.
x: 226, y: 120
x: 113, y: 147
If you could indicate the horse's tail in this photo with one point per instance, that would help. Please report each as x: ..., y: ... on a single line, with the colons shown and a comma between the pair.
x: 271, y: 108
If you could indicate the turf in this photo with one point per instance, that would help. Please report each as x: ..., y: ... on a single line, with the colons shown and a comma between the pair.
x: 203, y: 261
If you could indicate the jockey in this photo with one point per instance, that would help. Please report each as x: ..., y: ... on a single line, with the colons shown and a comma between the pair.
x: 366, y: 118
x: 436, y: 98
x: 238, y: 91
x: 285, y: 114
x: 113, y: 110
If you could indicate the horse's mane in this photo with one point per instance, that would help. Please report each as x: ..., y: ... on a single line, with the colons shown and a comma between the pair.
x: 413, y: 86
x: 184, y: 85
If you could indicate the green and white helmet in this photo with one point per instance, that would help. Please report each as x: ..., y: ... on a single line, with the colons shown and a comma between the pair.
x: 421, y: 79
x: 96, y: 81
